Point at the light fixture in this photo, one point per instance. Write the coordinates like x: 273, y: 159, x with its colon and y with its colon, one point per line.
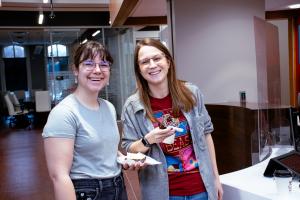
x: 84, y: 41
x: 294, y: 6
x: 45, y: 1
x: 52, y: 15
x: 41, y: 17
x: 96, y: 33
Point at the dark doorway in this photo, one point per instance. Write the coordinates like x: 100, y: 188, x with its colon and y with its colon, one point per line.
x: 15, y: 74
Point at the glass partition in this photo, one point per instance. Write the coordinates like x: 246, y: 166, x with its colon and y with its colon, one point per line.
x: 48, y: 56
x: 61, y: 81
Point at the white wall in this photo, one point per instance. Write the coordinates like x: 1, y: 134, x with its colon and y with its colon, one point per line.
x: 284, y: 59
x: 214, y: 46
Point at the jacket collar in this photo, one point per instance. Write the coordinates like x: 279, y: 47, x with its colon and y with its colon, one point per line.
x: 137, y: 103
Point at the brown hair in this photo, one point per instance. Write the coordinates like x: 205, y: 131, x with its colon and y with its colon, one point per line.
x: 90, y: 50
x: 182, y: 97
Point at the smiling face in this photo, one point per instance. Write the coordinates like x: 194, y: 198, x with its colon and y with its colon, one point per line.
x: 92, y: 80
x: 153, y: 66
x: 91, y: 66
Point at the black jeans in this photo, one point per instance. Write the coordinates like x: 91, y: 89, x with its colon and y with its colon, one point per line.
x: 100, y: 189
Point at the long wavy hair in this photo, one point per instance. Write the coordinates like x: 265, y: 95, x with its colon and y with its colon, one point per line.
x: 182, y: 97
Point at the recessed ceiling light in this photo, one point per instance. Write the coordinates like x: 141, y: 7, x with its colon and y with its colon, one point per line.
x: 294, y: 6
x: 84, y: 41
x: 96, y: 33
x: 41, y: 18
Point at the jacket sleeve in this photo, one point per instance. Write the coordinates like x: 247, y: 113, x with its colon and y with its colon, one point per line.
x: 208, y: 126
x: 130, y: 131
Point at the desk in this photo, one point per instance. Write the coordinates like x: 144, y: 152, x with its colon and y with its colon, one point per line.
x: 250, y: 184
x: 241, y: 132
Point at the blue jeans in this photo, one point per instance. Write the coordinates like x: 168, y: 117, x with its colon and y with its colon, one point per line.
x: 200, y: 196
x: 100, y: 189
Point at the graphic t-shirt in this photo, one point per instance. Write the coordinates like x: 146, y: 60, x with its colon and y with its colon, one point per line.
x: 183, y: 169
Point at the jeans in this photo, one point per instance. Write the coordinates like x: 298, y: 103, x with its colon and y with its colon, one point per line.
x: 200, y: 196
x: 100, y: 189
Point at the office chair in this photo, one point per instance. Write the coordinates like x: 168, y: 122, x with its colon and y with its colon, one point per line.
x: 15, y: 101
x: 16, y: 117
x: 295, y: 128
x: 42, y: 101
x: 42, y: 107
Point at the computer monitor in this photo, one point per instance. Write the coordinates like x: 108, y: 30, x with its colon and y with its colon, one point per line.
x: 289, y: 161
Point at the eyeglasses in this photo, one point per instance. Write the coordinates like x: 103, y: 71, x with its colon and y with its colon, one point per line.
x: 147, y: 61
x: 91, y: 65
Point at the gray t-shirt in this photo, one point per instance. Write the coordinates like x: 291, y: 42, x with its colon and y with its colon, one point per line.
x: 95, y: 133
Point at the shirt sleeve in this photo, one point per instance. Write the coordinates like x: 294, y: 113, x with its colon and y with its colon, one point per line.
x: 61, y: 123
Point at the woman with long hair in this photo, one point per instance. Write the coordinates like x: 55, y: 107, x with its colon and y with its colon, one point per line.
x: 164, y: 107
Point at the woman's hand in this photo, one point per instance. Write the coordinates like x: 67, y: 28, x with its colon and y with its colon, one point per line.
x: 134, y: 166
x: 157, y: 135
x: 219, y: 189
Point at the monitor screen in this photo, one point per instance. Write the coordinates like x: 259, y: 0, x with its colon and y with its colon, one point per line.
x: 292, y: 161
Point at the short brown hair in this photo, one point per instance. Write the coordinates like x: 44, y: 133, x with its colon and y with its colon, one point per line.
x: 91, y: 49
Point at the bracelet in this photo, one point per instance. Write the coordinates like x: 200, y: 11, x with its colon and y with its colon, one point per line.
x: 145, y: 142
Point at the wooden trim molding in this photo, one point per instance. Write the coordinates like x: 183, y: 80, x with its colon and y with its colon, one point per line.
x: 135, y: 21
x: 120, y: 11
x: 292, y: 61
x: 291, y: 16
x: 282, y: 14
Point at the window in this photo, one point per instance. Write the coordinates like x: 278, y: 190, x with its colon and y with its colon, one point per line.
x: 58, y: 50
x: 13, y: 51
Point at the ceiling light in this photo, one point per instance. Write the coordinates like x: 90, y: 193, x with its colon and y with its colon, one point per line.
x: 96, y: 33
x: 84, y: 41
x: 294, y: 6
x: 41, y: 18
x: 45, y: 1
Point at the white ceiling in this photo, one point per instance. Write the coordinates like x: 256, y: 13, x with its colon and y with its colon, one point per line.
x: 146, y: 8
x: 272, y: 5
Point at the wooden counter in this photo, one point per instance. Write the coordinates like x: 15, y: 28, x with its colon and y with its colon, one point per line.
x: 243, y: 131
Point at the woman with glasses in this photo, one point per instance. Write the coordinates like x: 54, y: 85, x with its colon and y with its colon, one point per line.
x: 161, y: 108
x: 81, y: 135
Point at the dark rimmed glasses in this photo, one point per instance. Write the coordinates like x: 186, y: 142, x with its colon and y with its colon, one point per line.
x: 90, y: 65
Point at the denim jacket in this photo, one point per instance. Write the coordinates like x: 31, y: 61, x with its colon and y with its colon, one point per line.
x: 154, y: 179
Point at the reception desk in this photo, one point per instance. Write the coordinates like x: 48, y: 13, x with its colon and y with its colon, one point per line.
x: 250, y: 184
x: 244, y: 132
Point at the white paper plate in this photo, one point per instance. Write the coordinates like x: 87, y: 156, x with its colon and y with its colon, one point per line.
x: 148, y: 161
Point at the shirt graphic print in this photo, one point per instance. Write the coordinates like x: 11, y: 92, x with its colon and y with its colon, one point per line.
x: 180, y: 155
